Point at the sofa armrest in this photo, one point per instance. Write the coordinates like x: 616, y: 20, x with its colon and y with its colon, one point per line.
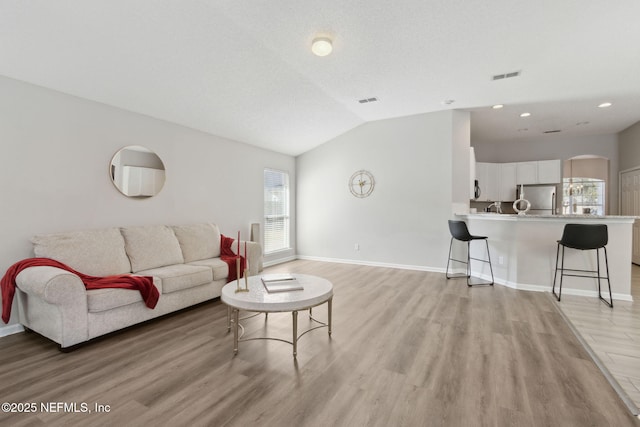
x: 254, y: 255
x: 64, y: 316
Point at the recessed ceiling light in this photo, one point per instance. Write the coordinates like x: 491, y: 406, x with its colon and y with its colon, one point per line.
x: 605, y: 105
x: 497, y: 106
x: 525, y: 114
x: 321, y: 46
x: 448, y: 101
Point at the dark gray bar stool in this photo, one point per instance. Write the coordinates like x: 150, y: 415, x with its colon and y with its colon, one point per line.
x: 459, y: 231
x: 584, y: 237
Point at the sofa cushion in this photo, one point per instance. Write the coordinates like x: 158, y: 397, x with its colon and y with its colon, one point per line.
x: 198, y: 241
x: 220, y: 268
x: 109, y: 298
x: 180, y: 276
x: 93, y: 252
x: 151, y: 246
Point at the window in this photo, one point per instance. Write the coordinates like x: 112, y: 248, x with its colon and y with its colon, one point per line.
x: 276, y: 211
x: 583, y: 196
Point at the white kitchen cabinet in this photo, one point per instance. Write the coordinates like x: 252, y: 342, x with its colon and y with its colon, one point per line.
x: 498, y: 181
x: 507, y: 182
x: 526, y: 173
x: 549, y: 172
x: 488, y: 179
x: 472, y: 173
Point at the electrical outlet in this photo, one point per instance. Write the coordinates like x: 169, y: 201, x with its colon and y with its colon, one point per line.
x: 356, y: 246
x: 501, y: 260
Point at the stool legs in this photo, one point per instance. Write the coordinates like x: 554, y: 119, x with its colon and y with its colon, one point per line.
x: 553, y: 290
x: 468, y: 263
x: 448, y: 260
x: 489, y: 261
x: 597, y: 271
x: 606, y: 263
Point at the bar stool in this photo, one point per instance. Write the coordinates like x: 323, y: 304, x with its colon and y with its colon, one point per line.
x: 584, y: 237
x: 459, y: 231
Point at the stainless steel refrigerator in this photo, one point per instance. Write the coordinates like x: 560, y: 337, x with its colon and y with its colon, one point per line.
x: 541, y: 197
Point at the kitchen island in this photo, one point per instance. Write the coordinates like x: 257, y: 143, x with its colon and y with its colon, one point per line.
x: 523, y: 252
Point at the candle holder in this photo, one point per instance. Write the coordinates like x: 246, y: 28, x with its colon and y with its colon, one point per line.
x: 238, y: 288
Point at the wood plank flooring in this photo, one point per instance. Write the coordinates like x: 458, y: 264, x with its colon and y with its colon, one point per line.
x: 614, y: 335
x: 408, y: 348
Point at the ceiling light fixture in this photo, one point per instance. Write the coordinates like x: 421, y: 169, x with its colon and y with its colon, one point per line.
x: 321, y: 46
x: 497, y: 106
x: 605, y: 105
x: 525, y: 114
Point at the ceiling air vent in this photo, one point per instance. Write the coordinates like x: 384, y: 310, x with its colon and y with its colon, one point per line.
x: 506, y: 75
x: 366, y: 100
x: 552, y: 131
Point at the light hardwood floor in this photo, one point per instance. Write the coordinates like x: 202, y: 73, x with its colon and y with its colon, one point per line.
x: 408, y: 348
x: 613, y: 334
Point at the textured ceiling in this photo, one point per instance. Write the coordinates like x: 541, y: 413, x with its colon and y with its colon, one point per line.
x: 243, y: 69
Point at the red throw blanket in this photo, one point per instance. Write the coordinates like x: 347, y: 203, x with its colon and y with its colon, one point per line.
x: 227, y: 255
x: 144, y: 284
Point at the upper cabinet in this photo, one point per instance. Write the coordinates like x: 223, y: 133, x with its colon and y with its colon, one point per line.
x: 526, y: 173
x: 507, y: 182
x: 498, y: 181
x: 539, y: 172
x: 549, y: 172
x: 488, y: 175
x: 472, y: 173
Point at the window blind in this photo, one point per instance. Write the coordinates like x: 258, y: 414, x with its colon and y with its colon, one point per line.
x: 276, y: 210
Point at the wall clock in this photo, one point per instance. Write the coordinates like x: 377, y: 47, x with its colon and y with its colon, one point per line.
x: 361, y: 183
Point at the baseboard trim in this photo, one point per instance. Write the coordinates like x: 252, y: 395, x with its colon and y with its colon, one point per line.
x: 279, y: 261
x: 565, y: 291
x: 373, y: 264
x: 508, y: 284
x: 11, y: 329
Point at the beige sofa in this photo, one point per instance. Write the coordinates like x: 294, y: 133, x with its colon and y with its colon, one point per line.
x: 183, y: 260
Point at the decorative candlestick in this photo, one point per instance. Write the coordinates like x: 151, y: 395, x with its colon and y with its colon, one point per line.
x: 238, y: 274
x: 246, y: 280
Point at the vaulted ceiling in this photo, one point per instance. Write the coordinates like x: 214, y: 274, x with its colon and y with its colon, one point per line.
x: 244, y: 70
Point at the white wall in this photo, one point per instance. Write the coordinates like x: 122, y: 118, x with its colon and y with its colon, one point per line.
x: 404, y: 221
x: 556, y: 147
x: 56, y: 151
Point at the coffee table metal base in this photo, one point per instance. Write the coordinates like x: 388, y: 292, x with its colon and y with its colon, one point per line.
x: 233, y: 318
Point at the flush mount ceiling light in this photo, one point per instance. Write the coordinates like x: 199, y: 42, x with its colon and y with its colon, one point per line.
x: 497, y: 106
x: 525, y: 114
x: 605, y: 105
x: 321, y: 46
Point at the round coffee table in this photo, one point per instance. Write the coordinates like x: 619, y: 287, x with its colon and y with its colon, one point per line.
x: 316, y: 291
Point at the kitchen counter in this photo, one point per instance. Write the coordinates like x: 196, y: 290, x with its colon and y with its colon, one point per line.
x: 523, y: 251
x: 573, y: 218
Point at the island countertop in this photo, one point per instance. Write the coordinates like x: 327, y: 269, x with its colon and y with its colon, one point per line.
x: 523, y: 251
x: 561, y: 218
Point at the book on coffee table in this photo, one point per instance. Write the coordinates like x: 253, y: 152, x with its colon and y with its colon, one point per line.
x: 281, y: 283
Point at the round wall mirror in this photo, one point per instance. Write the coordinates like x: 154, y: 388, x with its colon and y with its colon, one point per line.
x: 137, y: 172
